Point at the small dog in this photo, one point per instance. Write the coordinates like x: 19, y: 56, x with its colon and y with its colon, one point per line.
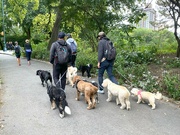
x: 58, y: 99
x: 44, y: 76
x: 142, y: 95
x: 122, y: 94
x: 96, y: 85
x: 71, y: 72
x: 86, y: 68
x: 88, y: 89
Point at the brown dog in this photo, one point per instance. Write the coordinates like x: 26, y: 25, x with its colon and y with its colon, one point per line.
x: 88, y: 89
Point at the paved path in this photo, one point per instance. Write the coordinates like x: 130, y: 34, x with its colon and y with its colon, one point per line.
x: 26, y: 109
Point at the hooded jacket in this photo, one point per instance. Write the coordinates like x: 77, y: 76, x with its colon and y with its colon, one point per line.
x: 70, y: 40
x: 101, y: 48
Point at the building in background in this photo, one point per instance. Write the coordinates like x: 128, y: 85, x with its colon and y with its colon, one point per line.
x: 148, y: 19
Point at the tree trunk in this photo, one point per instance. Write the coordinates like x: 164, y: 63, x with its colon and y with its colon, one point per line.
x: 178, y: 48
x: 55, y: 30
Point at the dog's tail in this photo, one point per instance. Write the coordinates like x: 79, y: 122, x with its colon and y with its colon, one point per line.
x: 67, y: 110
x: 65, y: 107
x: 158, y: 95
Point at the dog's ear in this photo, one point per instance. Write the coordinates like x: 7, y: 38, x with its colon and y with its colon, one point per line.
x: 75, y: 69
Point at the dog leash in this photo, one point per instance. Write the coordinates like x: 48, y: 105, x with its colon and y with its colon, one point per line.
x: 131, y: 85
x: 61, y: 78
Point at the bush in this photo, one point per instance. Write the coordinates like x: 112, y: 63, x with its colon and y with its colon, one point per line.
x: 171, y: 86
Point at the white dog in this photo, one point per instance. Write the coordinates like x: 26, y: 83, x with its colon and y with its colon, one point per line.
x: 71, y: 72
x: 122, y: 94
x: 142, y: 95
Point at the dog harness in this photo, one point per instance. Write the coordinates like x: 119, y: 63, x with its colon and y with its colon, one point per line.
x: 76, y: 84
x: 139, y: 93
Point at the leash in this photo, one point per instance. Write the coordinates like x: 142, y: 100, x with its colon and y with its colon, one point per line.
x: 125, y: 78
x: 61, y: 78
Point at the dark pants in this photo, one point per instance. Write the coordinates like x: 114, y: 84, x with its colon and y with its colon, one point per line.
x: 59, y: 75
x: 108, y: 66
x: 28, y: 56
x: 73, y: 59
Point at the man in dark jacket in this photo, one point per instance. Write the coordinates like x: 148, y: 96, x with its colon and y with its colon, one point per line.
x: 59, y: 70
x: 104, y: 64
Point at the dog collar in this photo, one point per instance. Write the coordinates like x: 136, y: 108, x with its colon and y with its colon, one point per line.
x: 77, y: 83
x: 139, y: 93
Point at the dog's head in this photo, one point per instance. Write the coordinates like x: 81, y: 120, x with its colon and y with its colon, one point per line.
x: 106, y: 82
x: 38, y: 72
x: 76, y: 79
x: 134, y: 91
x: 72, y: 71
x: 94, y: 83
x: 90, y: 65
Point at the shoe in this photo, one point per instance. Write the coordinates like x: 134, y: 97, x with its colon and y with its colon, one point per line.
x: 101, y: 91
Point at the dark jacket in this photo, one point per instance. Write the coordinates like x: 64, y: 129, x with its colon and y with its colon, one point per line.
x: 101, y: 48
x: 53, y: 50
x: 27, y: 46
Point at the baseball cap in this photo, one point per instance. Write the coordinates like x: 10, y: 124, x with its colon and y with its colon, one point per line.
x: 101, y: 34
x: 61, y: 35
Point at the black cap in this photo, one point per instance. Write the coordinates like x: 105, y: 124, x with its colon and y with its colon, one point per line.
x: 61, y: 35
x: 68, y: 35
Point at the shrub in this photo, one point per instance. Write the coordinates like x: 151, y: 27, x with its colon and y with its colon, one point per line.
x: 171, y: 86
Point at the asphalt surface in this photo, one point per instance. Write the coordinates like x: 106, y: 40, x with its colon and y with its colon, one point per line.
x: 26, y: 109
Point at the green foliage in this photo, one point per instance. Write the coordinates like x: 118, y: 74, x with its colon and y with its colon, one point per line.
x: 171, y: 85
x: 40, y: 51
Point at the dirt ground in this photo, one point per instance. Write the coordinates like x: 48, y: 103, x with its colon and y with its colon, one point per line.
x: 158, y: 69
x: 164, y: 60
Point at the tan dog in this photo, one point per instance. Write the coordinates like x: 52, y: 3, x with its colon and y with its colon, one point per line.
x: 88, y: 89
x: 122, y: 94
x: 71, y: 72
x: 142, y: 95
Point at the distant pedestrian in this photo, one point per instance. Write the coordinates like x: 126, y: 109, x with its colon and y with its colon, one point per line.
x: 60, y: 57
x: 103, y: 62
x: 73, y: 46
x: 28, y: 51
x: 17, y: 50
x: 11, y: 46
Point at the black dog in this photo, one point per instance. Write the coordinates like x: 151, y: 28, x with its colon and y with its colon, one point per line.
x: 58, y: 99
x: 86, y: 68
x: 44, y: 76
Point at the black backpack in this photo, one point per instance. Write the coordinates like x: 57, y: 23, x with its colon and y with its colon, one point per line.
x: 62, y: 53
x: 110, y: 51
x: 17, y: 49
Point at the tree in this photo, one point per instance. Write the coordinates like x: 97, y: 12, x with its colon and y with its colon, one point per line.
x: 92, y: 16
x: 171, y: 10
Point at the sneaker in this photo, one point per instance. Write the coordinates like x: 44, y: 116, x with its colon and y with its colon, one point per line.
x: 101, y: 91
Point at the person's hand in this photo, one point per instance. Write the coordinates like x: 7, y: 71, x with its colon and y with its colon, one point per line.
x: 98, y: 65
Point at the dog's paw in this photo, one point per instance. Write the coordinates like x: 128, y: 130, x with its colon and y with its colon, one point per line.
x: 108, y: 100
x: 61, y: 115
x: 53, y: 107
x: 67, y: 110
x: 122, y: 107
x: 128, y: 109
